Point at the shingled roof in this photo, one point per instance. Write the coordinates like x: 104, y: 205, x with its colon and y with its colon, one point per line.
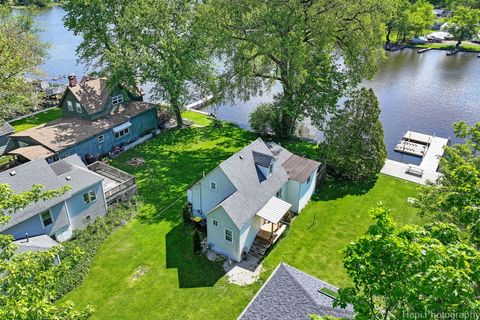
x: 51, y: 177
x: 5, y: 128
x: 59, y: 134
x: 253, y: 190
x: 292, y: 294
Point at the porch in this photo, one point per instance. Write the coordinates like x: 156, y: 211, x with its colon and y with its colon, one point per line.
x: 118, y: 185
x: 275, y: 215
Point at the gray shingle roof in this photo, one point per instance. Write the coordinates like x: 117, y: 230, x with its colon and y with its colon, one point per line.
x: 5, y: 128
x: 252, y: 191
x: 40, y: 172
x: 292, y: 294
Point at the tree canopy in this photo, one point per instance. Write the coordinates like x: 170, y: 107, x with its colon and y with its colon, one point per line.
x: 455, y: 197
x: 354, y: 145
x: 400, y: 272
x: 21, y: 52
x: 147, y: 41
x: 27, y: 279
x: 314, y: 49
x: 464, y: 23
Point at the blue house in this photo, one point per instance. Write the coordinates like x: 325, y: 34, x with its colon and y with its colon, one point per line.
x: 59, y: 216
x: 96, y: 119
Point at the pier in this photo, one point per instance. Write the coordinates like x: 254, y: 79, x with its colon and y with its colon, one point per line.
x: 199, y: 104
x: 429, y: 148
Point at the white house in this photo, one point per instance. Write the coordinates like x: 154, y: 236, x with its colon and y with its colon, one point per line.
x: 247, y: 196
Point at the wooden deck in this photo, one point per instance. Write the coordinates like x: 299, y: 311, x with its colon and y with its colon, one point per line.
x: 265, y: 239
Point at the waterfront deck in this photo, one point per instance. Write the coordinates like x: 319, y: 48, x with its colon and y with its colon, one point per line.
x: 428, y: 168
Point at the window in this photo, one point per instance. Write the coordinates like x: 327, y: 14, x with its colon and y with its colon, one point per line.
x: 215, y: 223
x: 213, y: 185
x: 69, y: 105
x: 117, y: 99
x: 122, y: 133
x: 309, y: 179
x: 101, y: 138
x: 79, y: 108
x: 87, y: 218
x: 89, y: 197
x: 46, y: 218
x: 228, y: 235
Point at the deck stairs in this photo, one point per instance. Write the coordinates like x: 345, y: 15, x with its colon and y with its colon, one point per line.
x: 259, y: 247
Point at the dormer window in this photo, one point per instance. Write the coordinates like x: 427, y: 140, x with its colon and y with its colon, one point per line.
x: 117, y: 99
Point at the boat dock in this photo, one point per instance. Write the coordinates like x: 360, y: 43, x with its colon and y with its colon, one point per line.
x: 429, y: 148
x: 424, y: 50
x: 199, y: 104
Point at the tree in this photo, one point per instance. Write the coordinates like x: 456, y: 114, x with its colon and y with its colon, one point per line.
x: 21, y: 52
x: 354, y: 143
x: 464, y: 24
x: 27, y: 279
x: 400, y: 272
x: 148, y: 41
x: 455, y: 197
x: 313, y: 49
x: 264, y: 119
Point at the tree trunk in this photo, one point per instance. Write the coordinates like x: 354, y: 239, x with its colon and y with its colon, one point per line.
x: 287, y: 119
x: 387, y: 42
x: 178, y: 114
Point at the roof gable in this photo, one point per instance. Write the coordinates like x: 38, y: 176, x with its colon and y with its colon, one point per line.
x: 5, y: 128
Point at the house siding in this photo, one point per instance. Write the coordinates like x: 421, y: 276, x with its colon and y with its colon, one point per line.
x: 78, y: 210
x: 216, y: 235
x: 306, y: 191
x: 292, y: 194
x: 64, y: 106
x: 203, y: 198
x: 141, y: 124
x: 67, y: 214
x: 248, y: 234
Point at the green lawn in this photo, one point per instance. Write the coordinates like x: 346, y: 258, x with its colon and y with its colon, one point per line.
x: 147, y: 269
x: 38, y: 119
x: 197, y: 118
x: 473, y: 47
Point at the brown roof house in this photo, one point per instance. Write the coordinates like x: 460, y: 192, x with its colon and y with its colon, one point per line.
x: 247, y: 199
x: 96, y: 119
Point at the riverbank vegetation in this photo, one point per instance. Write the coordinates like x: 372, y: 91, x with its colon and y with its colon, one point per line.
x: 21, y: 54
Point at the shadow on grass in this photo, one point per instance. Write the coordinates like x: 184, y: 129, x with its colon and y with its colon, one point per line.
x: 333, y: 188
x: 193, y: 270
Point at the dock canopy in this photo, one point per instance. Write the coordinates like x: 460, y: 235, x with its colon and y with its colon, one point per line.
x: 274, y: 210
x: 32, y: 152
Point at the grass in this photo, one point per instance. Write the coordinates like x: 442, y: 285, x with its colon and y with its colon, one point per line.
x: 148, y: 267
x: 36, y: 120
x: 470, y: 47
x: 197, y: 118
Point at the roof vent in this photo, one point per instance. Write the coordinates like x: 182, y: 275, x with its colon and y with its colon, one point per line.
x: 68, y: 178
x: 13, y: 172
x: 241, y: 157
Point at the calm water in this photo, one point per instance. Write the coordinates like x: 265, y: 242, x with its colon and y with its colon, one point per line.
x: 421, y: 92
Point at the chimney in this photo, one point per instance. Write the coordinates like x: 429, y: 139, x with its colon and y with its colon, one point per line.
x: 72, y: 80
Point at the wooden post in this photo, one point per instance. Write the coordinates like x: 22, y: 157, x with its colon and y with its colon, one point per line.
x: 271, y: 234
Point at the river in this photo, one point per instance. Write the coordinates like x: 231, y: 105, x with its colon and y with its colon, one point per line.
x: 420, y: 92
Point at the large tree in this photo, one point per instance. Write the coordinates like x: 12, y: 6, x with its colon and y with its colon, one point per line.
x: 398, y: 273
x: 148, y: 41
x: 464, y: 24
x: 27, y: 280
x: 354, y: 144
x: 313, y: 48
x: 455, y: 197
x: 21, y: 53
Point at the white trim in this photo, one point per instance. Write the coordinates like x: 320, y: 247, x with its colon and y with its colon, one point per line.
x: 225, y: 234
x: 69, y: 105
x: 213, y: 223
x: 102, y: 136
x: 51, y: 218
x: 89, y: 195
x: 122, y: 126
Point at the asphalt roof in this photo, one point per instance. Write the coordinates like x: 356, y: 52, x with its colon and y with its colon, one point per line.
x: 5, y: 128
x: 299, y: 168
x: 292, y: 294
x: 92, y: 93
x: 32, y: 152
x: 253, y: 190
x: 59, y: 134
x: 51, y: 178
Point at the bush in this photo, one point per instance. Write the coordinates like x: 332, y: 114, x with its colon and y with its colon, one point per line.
x: 263, y: 119
x: 88, y: 240
x: 197, y: 246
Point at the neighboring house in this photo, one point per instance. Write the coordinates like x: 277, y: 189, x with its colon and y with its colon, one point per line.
x: 59, y: 216
x: 249, y: 194
x: 96, y: 119
x: 292, y: 294
x: 5, y: 131
x: 441, y: 13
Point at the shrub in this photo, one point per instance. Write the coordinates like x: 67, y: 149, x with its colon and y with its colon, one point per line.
x: 263, y: 119
x: 197, y: 246
x: 88, y: 240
